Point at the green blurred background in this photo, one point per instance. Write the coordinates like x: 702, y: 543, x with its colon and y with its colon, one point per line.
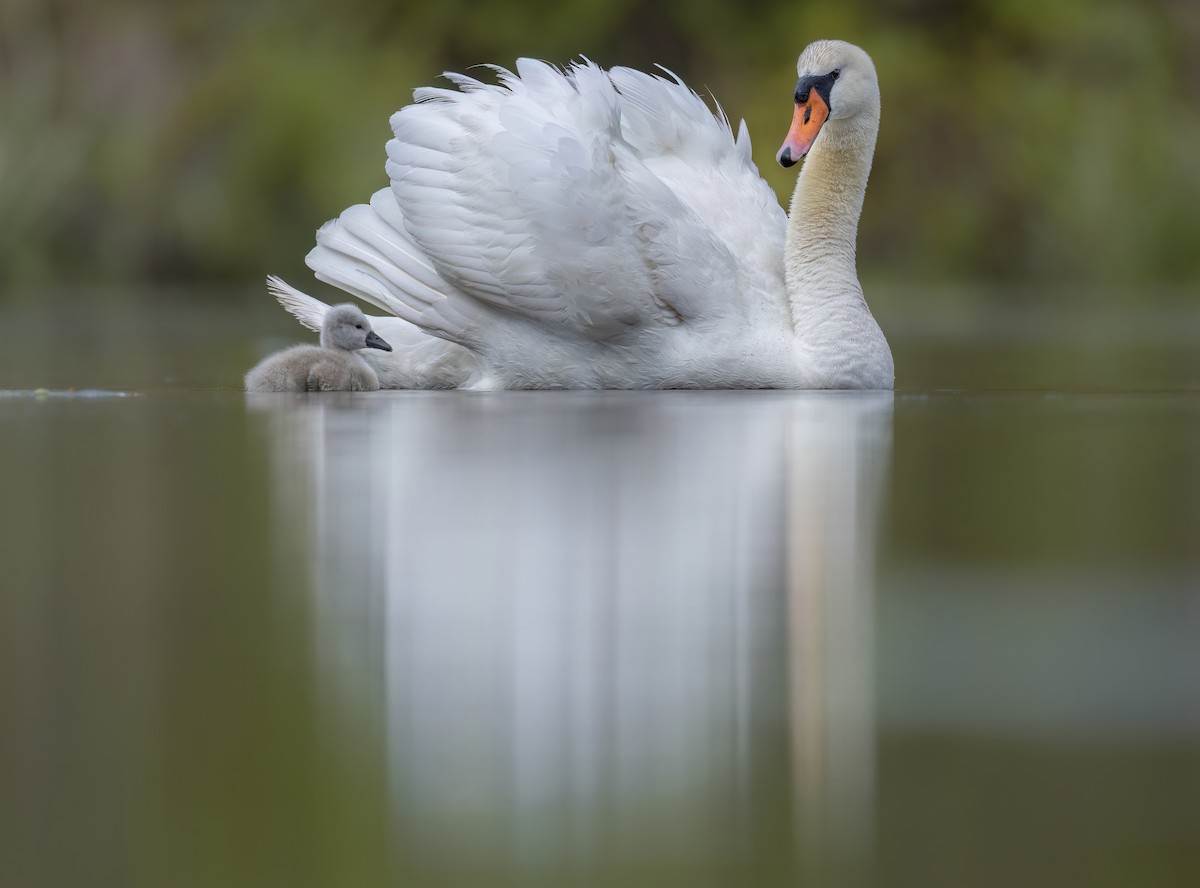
x: 1026, y: 145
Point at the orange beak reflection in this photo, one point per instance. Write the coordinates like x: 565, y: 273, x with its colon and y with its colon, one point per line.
x: 806, y: 124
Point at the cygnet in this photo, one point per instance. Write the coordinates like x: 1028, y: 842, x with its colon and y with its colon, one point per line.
x: 331, y: 367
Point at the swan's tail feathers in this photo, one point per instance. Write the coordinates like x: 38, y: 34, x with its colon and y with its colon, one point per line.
x: 308, y: 311
x: 366, y: 252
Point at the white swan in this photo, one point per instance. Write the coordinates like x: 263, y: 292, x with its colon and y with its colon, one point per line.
x: 592, y: 229
x: 332, y: 367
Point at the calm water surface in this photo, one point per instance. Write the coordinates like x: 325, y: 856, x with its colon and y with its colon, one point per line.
x: 946, y: 637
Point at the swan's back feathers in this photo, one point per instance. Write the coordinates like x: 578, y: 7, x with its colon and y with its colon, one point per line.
x: 577, y: 203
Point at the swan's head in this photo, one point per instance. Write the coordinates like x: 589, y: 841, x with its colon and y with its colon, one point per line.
x: 837, y: 82
x: 345, y: 327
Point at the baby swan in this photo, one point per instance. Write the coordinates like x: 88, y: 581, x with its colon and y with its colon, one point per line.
x: 331, y: 367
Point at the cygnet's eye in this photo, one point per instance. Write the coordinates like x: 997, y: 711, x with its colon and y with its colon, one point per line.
x: 358, y: 326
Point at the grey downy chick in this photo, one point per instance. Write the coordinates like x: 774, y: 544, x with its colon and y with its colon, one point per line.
x: 331, y: 367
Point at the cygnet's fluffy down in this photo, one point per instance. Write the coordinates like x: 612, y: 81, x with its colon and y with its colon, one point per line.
x: 331, y: 367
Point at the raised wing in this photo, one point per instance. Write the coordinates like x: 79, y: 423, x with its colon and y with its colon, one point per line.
x: 590, y: 205
x: 527, y: 196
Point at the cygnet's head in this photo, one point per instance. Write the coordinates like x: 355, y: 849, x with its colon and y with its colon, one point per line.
x: 347, y: 328
x: 837, y: 82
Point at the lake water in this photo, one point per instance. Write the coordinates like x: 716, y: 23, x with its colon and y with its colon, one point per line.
x: 949, y: 636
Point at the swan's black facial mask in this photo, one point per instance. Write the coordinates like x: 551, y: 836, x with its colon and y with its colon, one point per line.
x: 823, y: 85
x: 813, y: 108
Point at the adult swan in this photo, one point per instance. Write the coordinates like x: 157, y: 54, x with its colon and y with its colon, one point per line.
x: 604, y: 229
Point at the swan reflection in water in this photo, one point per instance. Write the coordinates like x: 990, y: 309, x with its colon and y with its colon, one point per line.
x: 596, y: 627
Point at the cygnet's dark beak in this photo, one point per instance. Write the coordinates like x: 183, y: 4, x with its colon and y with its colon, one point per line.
x: 373, y: 341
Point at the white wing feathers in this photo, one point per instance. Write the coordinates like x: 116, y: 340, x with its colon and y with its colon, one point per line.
x: 695, y: 153
x: 514, y: 194
x: 308, y: 311
x: 565, y: 198
x: 366, y: 252
x: 663, y: 116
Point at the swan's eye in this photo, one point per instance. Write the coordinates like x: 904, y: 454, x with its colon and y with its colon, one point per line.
x: 358, y: 326
x: 835, y: 73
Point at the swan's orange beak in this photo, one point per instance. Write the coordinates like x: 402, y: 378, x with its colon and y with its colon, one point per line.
x: 810, y: 116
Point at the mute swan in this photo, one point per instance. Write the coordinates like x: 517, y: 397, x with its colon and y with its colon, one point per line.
x: 333, y: 367
x: 588, y: 229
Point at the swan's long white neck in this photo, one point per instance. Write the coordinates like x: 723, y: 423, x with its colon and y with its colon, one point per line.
x: 829, y: 313
x: 823, y: 220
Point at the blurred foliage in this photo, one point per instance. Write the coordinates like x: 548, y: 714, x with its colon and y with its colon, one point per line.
x: 1048, y: 141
